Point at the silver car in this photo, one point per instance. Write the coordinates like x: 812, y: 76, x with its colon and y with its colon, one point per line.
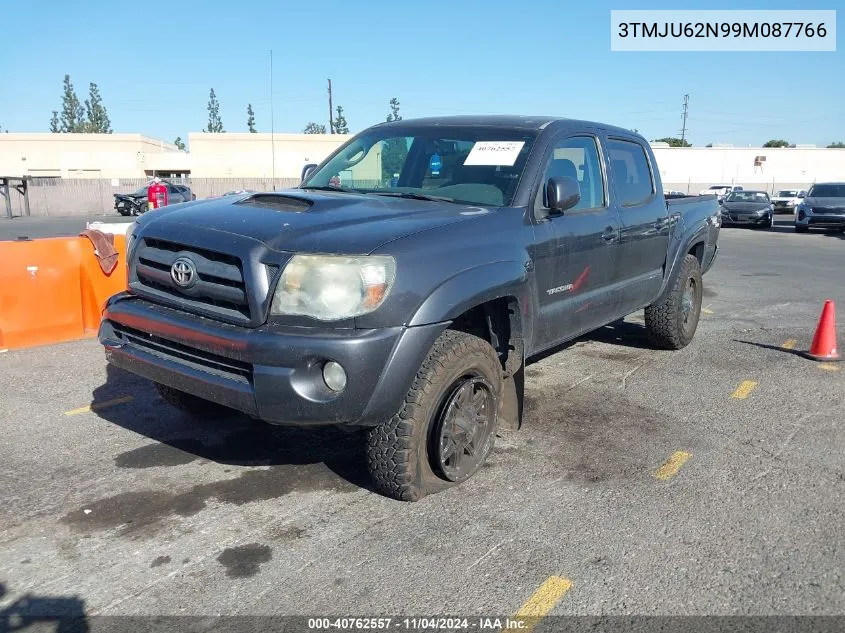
x: 823, y: 207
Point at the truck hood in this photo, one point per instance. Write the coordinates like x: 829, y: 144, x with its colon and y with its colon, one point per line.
x: 834, y: 204
x: 305, y: 221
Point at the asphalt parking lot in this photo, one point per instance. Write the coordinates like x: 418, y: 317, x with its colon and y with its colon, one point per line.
x: 705, y: 481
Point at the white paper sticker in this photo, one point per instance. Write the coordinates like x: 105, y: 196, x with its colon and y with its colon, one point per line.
x: 494, y: 153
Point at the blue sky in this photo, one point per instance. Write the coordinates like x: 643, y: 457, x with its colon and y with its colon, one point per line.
x: 437, y: 57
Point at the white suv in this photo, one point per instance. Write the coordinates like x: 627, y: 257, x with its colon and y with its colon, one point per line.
x: 786, y: 200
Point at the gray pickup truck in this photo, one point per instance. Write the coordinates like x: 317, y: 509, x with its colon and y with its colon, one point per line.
x: 403, y: 285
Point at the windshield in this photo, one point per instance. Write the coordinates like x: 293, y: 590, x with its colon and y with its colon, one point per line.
x: 141, y: 192
x: 469, y: 165
x: 790, y: 193
x: 827, y: 191
x: 748, y: 196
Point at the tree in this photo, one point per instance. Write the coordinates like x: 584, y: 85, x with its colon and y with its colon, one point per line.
x: 395, y: 149
x: 73, y: 114
x: 250, y: 118
x: 776, y: 143
x: 340, y: 125
x: 314, y: 128
x: 838, y: 145
x: 672, y: 141
x: 179, y: 143
x: 394, y: 110
x: 54, y: 123
x: 215, y: 123
x: 98, y: 119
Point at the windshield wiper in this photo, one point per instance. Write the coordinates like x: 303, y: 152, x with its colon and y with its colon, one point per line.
x: 412, y: 196
x: 329, y: 188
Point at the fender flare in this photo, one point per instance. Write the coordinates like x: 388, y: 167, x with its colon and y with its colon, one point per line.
x: 471, y: 287
x: 674, y: 265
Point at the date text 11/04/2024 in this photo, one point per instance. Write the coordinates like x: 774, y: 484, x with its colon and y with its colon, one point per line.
x: 420, y: 624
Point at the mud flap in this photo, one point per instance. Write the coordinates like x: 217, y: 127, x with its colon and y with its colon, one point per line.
x: 511, y: 402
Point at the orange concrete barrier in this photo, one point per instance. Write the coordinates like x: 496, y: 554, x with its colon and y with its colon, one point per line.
x: 53, y: 290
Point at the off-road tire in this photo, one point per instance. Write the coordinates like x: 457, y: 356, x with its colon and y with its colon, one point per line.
x: 400, y: 450
x: 195, y: 407
x: 664, y: 321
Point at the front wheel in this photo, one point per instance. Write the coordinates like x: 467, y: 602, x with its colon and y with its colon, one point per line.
x: 671, y: 323
x: 447, y: 424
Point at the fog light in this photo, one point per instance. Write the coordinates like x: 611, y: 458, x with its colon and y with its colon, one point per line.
x: 334, y: 376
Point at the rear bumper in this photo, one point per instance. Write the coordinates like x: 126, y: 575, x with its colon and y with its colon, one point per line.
x: 268, y: 372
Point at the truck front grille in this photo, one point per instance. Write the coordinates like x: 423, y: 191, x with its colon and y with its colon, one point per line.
x: 218, y: 286
x: 197, y: 359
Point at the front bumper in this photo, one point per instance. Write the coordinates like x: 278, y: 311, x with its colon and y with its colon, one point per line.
x: 269, y: 372
x: 746, y: 219
x: 820, y: 220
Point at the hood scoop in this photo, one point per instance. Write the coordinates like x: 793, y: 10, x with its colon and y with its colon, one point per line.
x: 276, y: 202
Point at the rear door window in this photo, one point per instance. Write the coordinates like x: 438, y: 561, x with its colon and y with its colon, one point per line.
x: 632, y: 175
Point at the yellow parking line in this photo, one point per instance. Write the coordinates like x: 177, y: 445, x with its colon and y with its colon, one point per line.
x: 789, y: 344
x: 543, y: 601
x: 829, y: 366
x: 96, y: 406
x: 745, y: 388
x: 672, y: 465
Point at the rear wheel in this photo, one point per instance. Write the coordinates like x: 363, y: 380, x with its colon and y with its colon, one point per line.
x: 446, y: 427
x: 195, y: 407
x: 672, y: 322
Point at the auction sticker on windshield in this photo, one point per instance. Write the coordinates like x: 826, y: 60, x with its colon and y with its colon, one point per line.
x: 494, y: 153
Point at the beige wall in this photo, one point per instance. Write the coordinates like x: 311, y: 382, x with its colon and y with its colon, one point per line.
x: 115, y: 156
x: 86, y: 155
x: 717, y: 165
x: 246, y: 155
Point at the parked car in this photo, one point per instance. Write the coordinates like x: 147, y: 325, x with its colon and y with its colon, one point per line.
x: 410, y: 310
x: 135, y: 203
x: 720, y: 191
x: 747, y: 207
x: 786, y: 200
x: 822, y: 207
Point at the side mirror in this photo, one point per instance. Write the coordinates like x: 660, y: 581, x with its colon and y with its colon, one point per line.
x: 802, y: 195
x: 309, y: 169
x: 562, y: 193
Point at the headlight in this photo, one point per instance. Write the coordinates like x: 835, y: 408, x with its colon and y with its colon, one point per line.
x: 330, y: 287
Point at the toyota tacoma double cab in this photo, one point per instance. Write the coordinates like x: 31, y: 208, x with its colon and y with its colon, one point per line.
x: 406, y: 306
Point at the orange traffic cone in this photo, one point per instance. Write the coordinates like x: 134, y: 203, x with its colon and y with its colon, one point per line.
x: 824, y: 342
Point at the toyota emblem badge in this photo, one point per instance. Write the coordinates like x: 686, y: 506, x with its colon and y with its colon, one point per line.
x: 183, y: 272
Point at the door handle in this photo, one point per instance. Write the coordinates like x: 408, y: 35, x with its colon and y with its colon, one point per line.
x: 609, y: 235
